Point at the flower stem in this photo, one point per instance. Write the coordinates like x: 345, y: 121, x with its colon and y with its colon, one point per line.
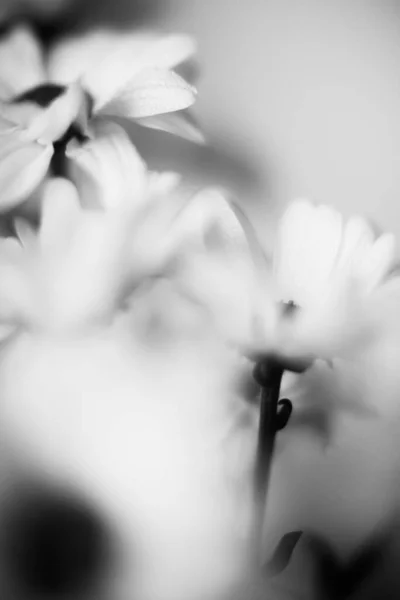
x: 268, y: 373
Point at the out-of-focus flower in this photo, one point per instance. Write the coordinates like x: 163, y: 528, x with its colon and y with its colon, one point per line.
x: 318, y: 297
x: 321, y: 288
x: 216, y: 266
x: 99, y: 76
x: 96, y: 242
x: 161, y: 442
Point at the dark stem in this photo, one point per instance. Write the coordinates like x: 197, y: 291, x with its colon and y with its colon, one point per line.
x: 268, y: 374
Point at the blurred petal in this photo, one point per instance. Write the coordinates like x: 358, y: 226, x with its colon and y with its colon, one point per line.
x: 152, y: 92
x: 163, y: 182
x: 378, y: 262
x: 308, y: 243
x: 108, y: 170
x: 106, y: 61
x: 25, y: 232
x: 21, y: 65
x: 21, y: 114
x: 7, y: 125
x: 23, y: 165
x: 59, y: 214
x: 178, y: 123
x: 357, y: 241
x: 13, y: 293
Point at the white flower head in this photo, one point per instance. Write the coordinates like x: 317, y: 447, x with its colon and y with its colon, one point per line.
x: 96, y: 242
x: 321, y: 288
x: 102, y: 75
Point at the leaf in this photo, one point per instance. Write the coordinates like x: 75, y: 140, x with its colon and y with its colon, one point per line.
x: 282, y: 554
x: 285, y: 409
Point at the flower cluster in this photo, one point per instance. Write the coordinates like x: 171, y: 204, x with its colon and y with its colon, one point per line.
x: 119, y: 244
x: 115, y: 223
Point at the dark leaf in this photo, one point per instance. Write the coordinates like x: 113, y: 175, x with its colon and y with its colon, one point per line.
x: 282, y: 554
x: 285, y: 408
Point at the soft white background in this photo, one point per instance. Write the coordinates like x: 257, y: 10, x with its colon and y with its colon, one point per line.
x: 308, y: 91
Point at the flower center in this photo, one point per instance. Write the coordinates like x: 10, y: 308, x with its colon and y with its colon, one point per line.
x: 288, y: 309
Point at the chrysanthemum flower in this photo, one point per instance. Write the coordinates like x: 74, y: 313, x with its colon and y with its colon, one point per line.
x: 324, y: 276
x: 317, y: 297
x: 96, y: 242
x: 46, y: 101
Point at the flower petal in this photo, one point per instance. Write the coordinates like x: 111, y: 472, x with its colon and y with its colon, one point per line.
x: 21, y: 65
x: 106, y: 61
x: 59, y: 214
x: 358, y: 239
x: 308, y: 242
x: 108, y: 170
x: 23, y: 164
x: 151, y: 92
x: 378, y: 262
x: 25, y: 232
x: 178, y: 123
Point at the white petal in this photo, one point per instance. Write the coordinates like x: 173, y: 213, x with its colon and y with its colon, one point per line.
x: 307, y: 247
x: 72, y: 57
x: 20, y: 113
x: 7, y: 125
x: 13, y: 292
x: 106, y: 61
x: 59, y: 214
x: 178, y: 123
x: 25, y: 232
x: 21, y: 65
x: 209, y: 218
x: 151, y: 92
x: 224, y: 285
x: 357, y: 241
x: 163, y: 182
x: 23, y: 165
x: 108, y: 170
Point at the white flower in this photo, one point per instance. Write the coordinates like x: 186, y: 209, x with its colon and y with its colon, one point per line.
x: 99, y: 76
x: 320, y: 296
x: 95, y: 243
x: 321, y: 290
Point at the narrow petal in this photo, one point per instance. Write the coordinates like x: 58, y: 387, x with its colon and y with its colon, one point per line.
x: 25, y: 232
x: 106, y: 61
x: 21, y: 65
x: 307, y: 247
x: 178, y: 123
x: 358, y: 239
x: 108, y: 170
x: 23, y: 165
x: 151, y: 92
